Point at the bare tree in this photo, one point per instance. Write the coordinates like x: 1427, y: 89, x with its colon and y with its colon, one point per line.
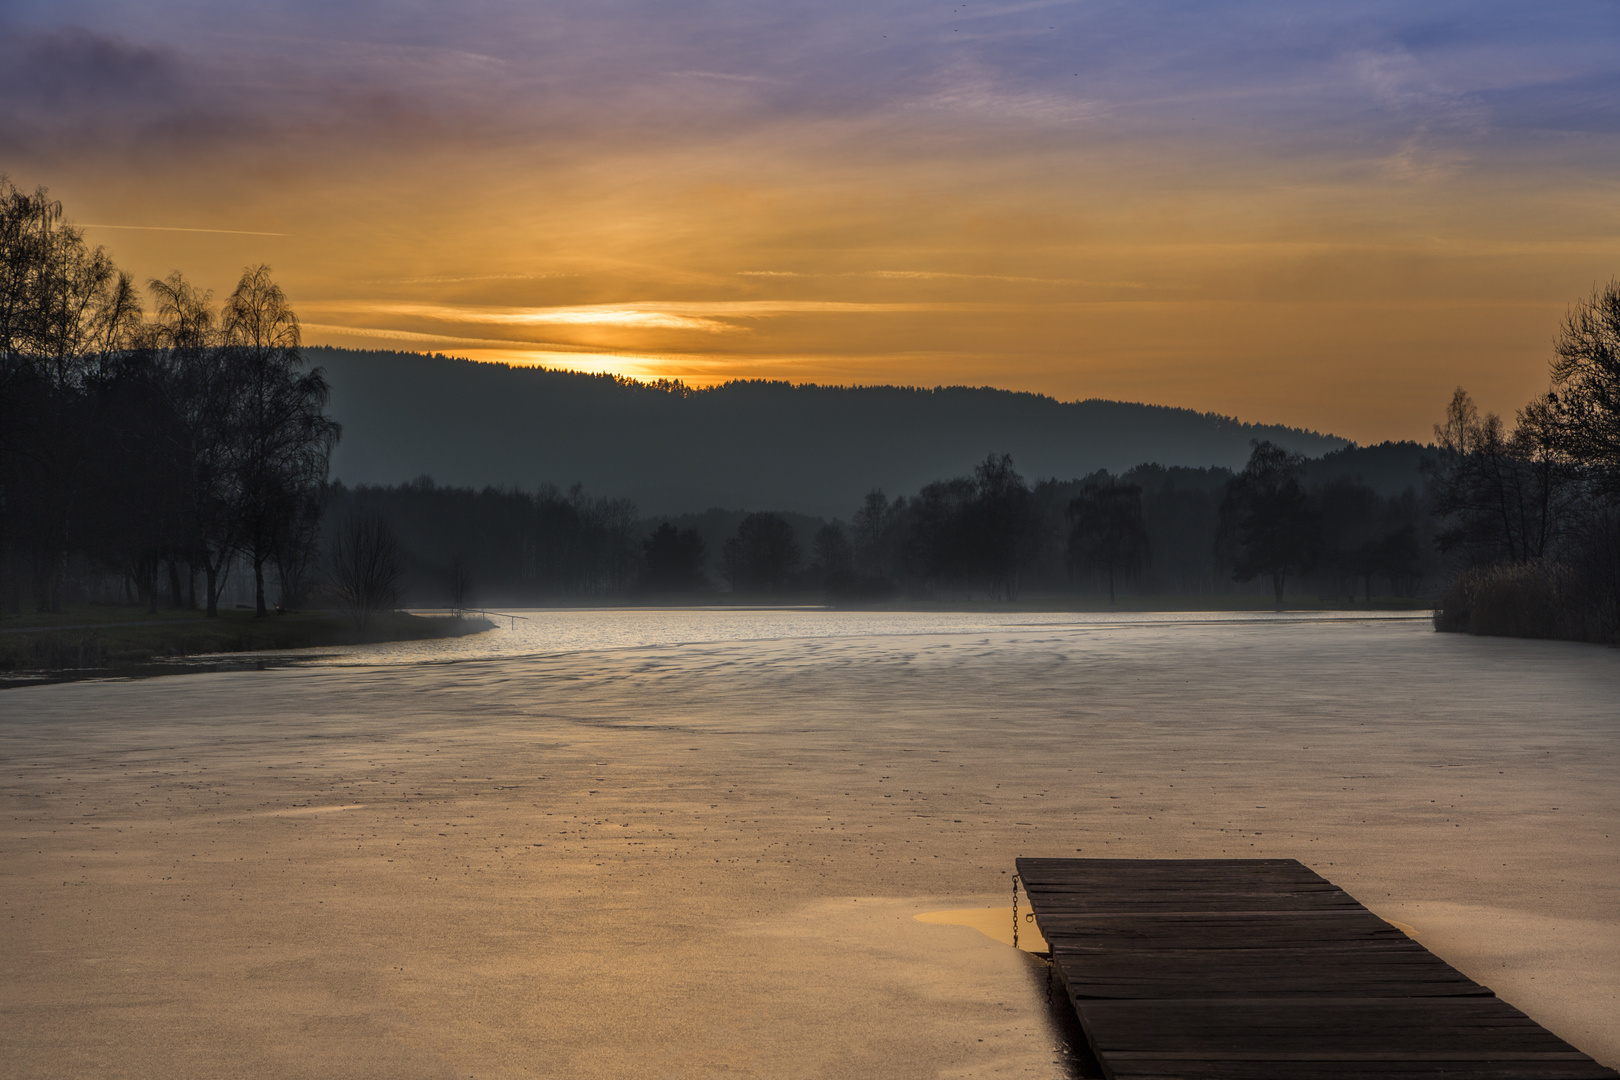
x: 458, y: 580
x: 184, y: 320
x: 763, y: 555
x: 365, y: 568
x: 296, y: 542
x: 879, y: 528
x: 257, y: 316
x: 834, y: 557
x: 1503, y: 495
x: 284, y: 438
x: 1107, y: 532
x: 1267, y: 523
x: 63, y: 305
x: 1583, y: 409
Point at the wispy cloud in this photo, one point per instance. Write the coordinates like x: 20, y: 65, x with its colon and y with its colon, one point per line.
x: 177, y: 228
x: 723, y: 76
x: 704, y: 315
x: 638, y: 317
x: 1152, y: 183
x: 415, y: 338
x: 452, y: 279
x: 940, y: 275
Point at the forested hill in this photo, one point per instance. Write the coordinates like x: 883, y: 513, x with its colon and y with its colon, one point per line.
x: 814, y: 449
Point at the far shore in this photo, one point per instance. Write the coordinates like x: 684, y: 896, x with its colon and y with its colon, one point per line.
x: 1045, y: 603
x: 90, y: 640
x: 96, y: 641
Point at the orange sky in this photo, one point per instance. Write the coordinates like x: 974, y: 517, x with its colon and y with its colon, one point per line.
x: 1321, y: 219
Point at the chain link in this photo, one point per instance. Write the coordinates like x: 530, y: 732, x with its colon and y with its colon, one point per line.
x: 1015, y: 911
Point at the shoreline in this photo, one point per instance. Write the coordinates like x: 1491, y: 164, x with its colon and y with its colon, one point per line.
x: 95, y: 642
x: 1053, y: 604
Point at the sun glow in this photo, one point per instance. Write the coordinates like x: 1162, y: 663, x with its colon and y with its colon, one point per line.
x: 1332, y: 232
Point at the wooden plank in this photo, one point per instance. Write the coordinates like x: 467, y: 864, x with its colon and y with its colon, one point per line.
x: 1286, y: 1028
x: 1089, y: 868
x: 1260, y: 969
x: 1147, y: 1068
x: 1214, y: 930
x: 1192, y: 903
x: 1123, y: 974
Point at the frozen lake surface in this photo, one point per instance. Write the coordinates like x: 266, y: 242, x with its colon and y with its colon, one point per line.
x: 550, y: 631
x: 693, y: 844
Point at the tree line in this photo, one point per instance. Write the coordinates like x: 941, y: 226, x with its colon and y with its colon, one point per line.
x: 1531, y: 511
x: 151, y: 441
x: 1270, y: 528
x: 1151, y: 530
x: 156, y: 448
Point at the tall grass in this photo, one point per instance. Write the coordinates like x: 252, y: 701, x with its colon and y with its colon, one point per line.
x: 1529, y: 600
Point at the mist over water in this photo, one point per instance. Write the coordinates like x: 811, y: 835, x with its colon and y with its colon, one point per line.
x: 523, y: 632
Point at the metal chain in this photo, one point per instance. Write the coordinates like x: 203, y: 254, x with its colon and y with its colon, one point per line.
x: 1015, y: 911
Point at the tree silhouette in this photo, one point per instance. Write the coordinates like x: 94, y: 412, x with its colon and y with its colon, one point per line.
x: 1004, y: 524
x: 674, y: 560
x: 834, y: 558
x: 458, y: 583
x: 763, y: 555
x: 283, y: 438
x: 1582, y: 413
x: 879, y: 526
x: 1503, y: 496
x: 1268, y: 524
x: 1106, y: 532
x: 127, y: 445
x: 365, y: 568
x: 973, y: 531
x: 65, y: 311
x: 1399, y: 560
x: 184, y: 318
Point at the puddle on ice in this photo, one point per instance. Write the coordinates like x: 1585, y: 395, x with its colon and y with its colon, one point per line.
x: 995, y: 923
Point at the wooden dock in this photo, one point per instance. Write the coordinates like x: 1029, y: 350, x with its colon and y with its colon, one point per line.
x: 1260, y: 969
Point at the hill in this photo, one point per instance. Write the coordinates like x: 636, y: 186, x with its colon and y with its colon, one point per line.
x: 747, y: 444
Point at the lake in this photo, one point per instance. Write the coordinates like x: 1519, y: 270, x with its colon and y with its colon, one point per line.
x: 551, y: 631
x: 695, y: 843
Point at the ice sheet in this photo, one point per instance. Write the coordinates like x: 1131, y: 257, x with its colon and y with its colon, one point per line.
x: 702, y: 860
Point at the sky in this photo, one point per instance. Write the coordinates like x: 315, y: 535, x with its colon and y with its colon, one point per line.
x: 1320, y: 214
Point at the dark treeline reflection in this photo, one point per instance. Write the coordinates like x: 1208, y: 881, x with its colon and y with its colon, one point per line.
x: 988, y: 535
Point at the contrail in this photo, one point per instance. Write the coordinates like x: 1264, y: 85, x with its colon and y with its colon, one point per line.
x: 177, y: 228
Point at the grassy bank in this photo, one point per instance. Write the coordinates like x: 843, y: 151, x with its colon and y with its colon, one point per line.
x: 105, y: 638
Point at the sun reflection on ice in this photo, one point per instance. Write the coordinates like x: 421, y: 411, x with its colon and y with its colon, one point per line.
x: 994, y: 923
